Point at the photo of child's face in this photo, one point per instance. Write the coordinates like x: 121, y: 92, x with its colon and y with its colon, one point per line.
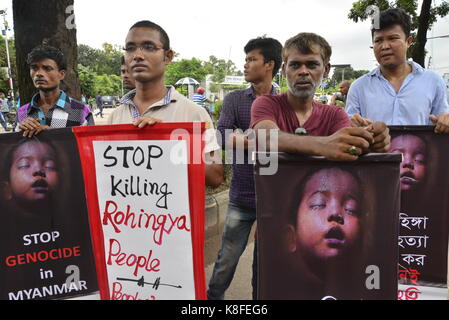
x: 33, y: 173
x: 328, y: 217
x: 414, y: 164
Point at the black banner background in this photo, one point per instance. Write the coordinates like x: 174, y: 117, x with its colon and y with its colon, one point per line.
x: 277, y: 196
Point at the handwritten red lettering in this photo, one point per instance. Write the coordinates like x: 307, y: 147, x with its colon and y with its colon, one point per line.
x: 117, y: 293
x: 161, y: 224
x: 131, y: 260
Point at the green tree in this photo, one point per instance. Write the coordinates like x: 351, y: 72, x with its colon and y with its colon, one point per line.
x: 89, y: 57
x: 192, y: 68
x: 87, y: 80
x: 422, y: 20
x: 4, y: 84
x: 220, y: 68
x: 101, y: 61
x: 109, y: 85
x: 349, y: 74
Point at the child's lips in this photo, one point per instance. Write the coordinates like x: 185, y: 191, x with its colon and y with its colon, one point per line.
x: 335, y: 237
x: 40, y: 186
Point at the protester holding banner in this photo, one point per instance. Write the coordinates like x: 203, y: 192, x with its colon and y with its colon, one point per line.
x: 147, y: 53
x: 51, y: 107
x: 306, y: 61
x: 398, y: 92
x: 263, y: 60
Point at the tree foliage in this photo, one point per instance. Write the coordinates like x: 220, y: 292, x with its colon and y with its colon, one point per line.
x: 192, y: 68
x: 349, y: 74
x: 198, y: 69
x: 4, y: 84
x: 101, y: 61
x: 220, y: 68
x: 422, y: 21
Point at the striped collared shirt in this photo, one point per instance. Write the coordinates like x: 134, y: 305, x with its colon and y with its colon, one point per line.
x: 128, y: 99
x: 66, y: 112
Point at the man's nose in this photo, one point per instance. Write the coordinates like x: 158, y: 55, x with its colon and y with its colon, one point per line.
x: 138, y: 54
x: 303, y: 70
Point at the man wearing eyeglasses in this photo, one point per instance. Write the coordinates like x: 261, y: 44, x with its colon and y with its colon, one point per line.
x: 398, y: 92
x: 147, y: 53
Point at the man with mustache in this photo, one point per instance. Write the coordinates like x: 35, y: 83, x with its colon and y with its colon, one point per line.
x: 398, y: 92
x: 323, y: 130
x: 51, y: 107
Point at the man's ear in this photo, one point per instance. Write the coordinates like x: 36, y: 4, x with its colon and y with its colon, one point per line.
x: 62, y: 74
x: 5, y: 190
x: 270, y: 66
x: 168, y: 56
x: 289, y: 238
x: 283, y: 69
x: 327, y: 69
x: 409, y: 41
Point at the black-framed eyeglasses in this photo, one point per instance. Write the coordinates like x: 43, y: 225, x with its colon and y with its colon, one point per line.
x: 145, y: 47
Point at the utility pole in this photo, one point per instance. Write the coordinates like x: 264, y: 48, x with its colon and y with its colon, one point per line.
x: 5, y: 33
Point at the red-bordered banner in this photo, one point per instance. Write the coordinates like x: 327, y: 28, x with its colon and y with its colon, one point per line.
x: 87, y: 139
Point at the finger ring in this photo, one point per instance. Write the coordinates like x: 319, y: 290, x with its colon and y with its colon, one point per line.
x: 352, y: 150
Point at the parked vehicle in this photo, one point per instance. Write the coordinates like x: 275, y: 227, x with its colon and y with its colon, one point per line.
x: 109, y: 101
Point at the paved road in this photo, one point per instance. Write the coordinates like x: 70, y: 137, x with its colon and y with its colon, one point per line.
x: 240, y: 288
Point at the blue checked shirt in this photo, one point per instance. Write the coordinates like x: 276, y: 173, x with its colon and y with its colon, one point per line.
x: 67, y: 112
x: 236, y: 114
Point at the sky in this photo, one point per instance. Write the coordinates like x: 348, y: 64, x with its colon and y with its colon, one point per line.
x: 201, y: 28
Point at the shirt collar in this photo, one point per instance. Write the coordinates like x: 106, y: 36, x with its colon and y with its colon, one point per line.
x: 127, y: 99
x: 62, y: 100
x: 250, y: 91
x: 169, y: 97
x: 416, y: 68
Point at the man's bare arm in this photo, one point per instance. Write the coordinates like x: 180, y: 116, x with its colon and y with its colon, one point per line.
x: 214, y: 169
x: 334, y: 147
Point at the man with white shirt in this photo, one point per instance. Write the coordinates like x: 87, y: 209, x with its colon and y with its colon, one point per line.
x: 147, y: 53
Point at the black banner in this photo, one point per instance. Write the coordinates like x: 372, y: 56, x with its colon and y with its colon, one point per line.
x: 424, y: 216
x: 328, y: 230
x: 45, y: 239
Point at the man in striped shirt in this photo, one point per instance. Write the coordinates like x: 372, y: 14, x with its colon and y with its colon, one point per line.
x: 51, y: 107
x: 200, y: 99
x: 147, y: 53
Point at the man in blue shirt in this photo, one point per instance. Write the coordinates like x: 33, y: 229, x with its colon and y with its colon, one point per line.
x: 398, y: 92
x: 200, y: 99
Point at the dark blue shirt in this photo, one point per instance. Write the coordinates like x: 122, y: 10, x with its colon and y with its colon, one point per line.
x: 236, y: 114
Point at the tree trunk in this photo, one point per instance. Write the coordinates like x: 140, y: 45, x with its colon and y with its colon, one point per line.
x: 44, y: 21
x: 419, y: 51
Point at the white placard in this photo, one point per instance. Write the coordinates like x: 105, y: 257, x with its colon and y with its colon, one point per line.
x: 144, y: 210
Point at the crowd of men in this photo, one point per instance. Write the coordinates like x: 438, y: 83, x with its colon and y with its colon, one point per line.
x: 397, y: 92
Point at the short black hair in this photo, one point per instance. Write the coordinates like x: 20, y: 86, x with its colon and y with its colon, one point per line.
x: 270, y: 48
x: 391, y: 17
x: 42, y: 52
x: 122, y: 60
x: 151, y: 25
